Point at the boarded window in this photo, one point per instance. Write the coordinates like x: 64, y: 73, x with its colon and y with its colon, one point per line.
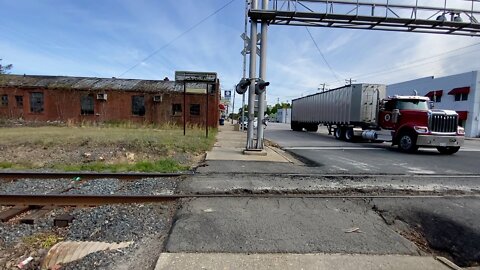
x: 176, y: 109
x: 19, y: 100
x: 36, y: 102
x: 138, y: 105
x: 4, y: 100
x: 87, y: 105
x: 194, y: 109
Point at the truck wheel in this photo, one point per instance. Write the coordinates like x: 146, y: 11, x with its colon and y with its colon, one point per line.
x: 349, y: 137
x: 312, y: 128
x: 448, y: 150
x: 407, y: 142
x: 295, y: 126
x: 339, y: 133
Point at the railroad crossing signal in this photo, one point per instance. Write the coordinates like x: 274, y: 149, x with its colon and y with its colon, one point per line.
x: 248, y: 49
x: 261, y: 86
x: 242, y: 86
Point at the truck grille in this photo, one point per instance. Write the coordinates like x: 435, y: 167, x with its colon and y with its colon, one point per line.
x: 443, y: 123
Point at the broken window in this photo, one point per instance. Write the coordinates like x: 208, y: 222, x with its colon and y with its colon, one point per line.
x: 138, y: 105
x: 194, y: 109
x: 19, y: 100
x: 36, y: 102
x: 87, y: 105
x: 4, y: 100
x: 176, y: 109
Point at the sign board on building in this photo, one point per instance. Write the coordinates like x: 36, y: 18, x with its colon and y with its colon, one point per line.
x: 193, y: 76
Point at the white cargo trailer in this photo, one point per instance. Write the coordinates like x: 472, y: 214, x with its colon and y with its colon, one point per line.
x: 355, y: 104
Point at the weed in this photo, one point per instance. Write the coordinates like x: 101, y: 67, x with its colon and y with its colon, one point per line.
x: 42, y: 240
x: 163, y: 165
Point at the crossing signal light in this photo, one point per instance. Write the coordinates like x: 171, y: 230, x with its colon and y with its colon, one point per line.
x: 242, y: 86
x: 261, y: 87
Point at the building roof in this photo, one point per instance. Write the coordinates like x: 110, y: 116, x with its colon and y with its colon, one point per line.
x: 86, y: 83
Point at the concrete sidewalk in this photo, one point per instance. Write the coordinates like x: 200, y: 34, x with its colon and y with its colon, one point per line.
x: 185, y: 261
x: 231, y: 144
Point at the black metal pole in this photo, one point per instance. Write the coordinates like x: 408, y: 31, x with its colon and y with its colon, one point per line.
x: 206, y: 114
x: 184, y: 108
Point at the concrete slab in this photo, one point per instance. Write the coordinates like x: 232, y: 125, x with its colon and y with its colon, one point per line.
x: 283, y: 225
x: 185, y: 261
x: 230, y: 146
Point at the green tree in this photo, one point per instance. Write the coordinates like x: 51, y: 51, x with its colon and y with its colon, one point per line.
x: 5, y: 68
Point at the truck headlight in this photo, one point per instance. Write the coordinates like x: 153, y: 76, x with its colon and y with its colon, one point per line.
x: 461, y: 131
x: 420, y: 129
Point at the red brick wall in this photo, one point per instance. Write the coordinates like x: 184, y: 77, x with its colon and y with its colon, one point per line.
x: 65, y: 105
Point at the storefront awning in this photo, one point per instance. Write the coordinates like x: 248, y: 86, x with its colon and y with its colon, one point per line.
x: 437, y: 93
x: 462, y: 115
x: 460, y: 90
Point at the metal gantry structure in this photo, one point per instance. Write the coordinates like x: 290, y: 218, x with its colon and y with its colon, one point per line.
x: 452, y: 17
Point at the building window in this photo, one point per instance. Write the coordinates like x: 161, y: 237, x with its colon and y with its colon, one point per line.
x: 176, y: 109
x: 19, y: 100
x: 194, y: 109
x: 36, y: 102
x: 138, y: 105
x: 4, y: 100
x: 87, y: 105
x: 437, y: 99
x: 461, y: 97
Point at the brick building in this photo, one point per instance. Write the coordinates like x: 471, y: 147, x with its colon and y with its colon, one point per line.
x: 78, y: 99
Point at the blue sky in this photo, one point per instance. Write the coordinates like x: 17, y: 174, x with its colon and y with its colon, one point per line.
x: 106, y: 38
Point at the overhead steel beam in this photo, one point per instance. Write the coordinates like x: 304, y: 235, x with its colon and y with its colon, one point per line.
x: 363, y: 15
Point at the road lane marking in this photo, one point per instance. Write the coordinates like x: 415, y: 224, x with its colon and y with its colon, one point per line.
x: 329, y: 148
x: 361, y: 148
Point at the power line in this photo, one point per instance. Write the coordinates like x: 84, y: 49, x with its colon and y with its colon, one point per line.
x: 323, y: 56
x: 177, y: 37
x: 415, y: 62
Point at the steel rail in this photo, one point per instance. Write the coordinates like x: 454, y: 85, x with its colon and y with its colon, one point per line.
x: 94, y: 200
x: 87, y: 175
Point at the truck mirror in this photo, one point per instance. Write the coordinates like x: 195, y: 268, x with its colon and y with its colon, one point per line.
x: 431, y: 104
x: 395, y: 115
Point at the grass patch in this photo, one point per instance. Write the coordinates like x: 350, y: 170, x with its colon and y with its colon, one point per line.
x: 10, y: 165
x: 164, y: 165
x: 166, y: 139
x: 42, y: 240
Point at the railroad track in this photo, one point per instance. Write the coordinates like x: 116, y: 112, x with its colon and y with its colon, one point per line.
x: 88, y: 175
x: 38, y: 206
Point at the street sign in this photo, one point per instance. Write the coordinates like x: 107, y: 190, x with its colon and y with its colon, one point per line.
x: 228, y: 94
x: 193, y: 76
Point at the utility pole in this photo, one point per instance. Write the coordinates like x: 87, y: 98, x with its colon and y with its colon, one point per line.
x: 253, y: 73
x: 242, y: 127
x: 349, y: 81
x: 324, y: 85
x: 262, y: 76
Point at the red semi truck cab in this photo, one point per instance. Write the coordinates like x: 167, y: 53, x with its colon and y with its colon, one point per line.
x: 412, y: 124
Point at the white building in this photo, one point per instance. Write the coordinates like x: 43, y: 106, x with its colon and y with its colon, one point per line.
x: 284, y: 115
x: 459, y: 92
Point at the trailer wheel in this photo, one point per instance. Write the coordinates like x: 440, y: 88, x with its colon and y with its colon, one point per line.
x: 407, y: 142
x: 448, y: 150
x: 339, y: 133
x: 295, y: 126
x: 312, y: 127
x: 349, y: 137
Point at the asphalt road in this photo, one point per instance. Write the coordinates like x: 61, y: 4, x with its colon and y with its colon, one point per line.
x: 426, y: 226
x: 333, y: 156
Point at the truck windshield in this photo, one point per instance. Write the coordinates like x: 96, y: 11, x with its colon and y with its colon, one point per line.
x: 412, y: 105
